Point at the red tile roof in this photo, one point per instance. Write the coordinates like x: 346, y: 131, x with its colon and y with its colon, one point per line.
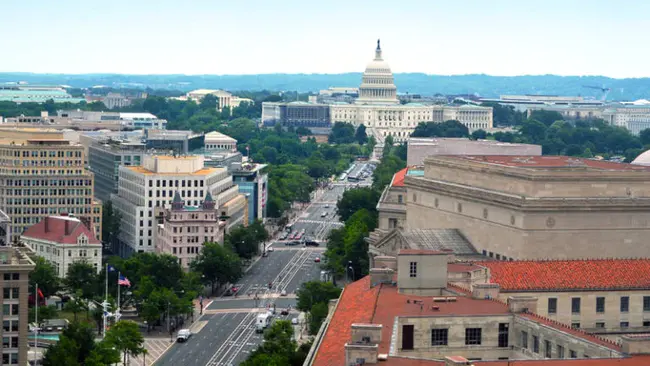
x: 398, y: 178
x: 570, y: 275
x: 549, y: 161
x: 60, y: 229
x: 381, y: 304
x: 356, y: 305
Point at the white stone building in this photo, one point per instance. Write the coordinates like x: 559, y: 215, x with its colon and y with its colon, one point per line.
x: 63, y: 240
x: 379, y: 109
x: 224, y: 98
x: 153, y: 185
x: 217, y: 141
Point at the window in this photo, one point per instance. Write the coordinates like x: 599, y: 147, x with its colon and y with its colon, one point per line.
x: 600, y: 325
x: 625, y: 324
x: 573, y: 354
x: 536, y: 344
x: 575, y: 325
x: 625, y: 304
x: 524, y: 339
x: 548, y: 349
x: 552, y: 305
x: 413, y: 269
x: 646, y: 323
x: 503, y: 335
x: 575, y: 305
x: 560, y: 351
x: 600, y: 304
x: 400, y: 199
x: 392, y: 223
x: 473, y: 336
x: 646, y: 303
x: 439, y: 337
x: 407, y: 336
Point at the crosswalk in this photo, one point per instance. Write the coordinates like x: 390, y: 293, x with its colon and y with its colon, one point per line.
x: 155, y: 348
x: 321, y: 222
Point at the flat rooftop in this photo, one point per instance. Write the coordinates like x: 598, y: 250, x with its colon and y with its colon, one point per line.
x: 141, y: 170
x: 549, y: 162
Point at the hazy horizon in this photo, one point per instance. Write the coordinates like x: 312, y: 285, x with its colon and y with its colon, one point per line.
x: 498, y: 38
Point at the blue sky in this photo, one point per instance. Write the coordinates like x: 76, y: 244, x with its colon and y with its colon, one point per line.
x: 497, y: 37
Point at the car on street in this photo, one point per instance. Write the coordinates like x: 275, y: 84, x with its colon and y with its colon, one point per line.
x: 183, y: 335
x: 311, y: 243
x: 283, y: 293
x: 324, y: 214
x: 327, y: 206
x: 317, y: 260
x: 284, y: 236
x: 231, y: 291
x: 270, y: 249
x: 294, y: 321
x: 284, y: 311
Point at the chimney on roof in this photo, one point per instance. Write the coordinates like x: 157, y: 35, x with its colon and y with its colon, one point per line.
x: 485, y: 291
x: 380, y: 275
x: 364, y: 344
x: 46, y: 222
x: 456, y: 361
x: 67, y: 227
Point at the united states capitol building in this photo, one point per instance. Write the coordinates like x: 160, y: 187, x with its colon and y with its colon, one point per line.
x: 374, y: 104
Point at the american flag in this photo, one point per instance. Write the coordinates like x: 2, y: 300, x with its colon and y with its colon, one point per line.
x: 123, y: 281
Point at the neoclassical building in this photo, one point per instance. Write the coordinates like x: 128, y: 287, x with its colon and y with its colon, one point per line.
x: 379, y: 109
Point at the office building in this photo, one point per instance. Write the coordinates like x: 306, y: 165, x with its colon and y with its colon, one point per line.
x: 142, y: 189
x: 176, y: 141
x: 127, y: 120
x: 252, y: 181
x: 405, y: 312
x: 63, y: 240
x: 105, y: 158
x: 534, y: 207
x: 42, y: 174
x: 377, y: 107
x: 222, y: 159
x: 182, y: 230
x: 5, y: 222
x: 15, y: 267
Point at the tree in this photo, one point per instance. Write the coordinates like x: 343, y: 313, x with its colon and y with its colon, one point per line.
x: 479, y: 135
x: 534, y: 130
x: 82, y: 277
x: 63, y: 352
x: 341, y: 133
x: 103, y: 354
x: 644, y: 136
x: 317, y: 314
x: 76, y: 346
x: 76, y: 305
x: 450, y: 128
x: 217, y: 264
x: 360, y: 136
x: 209, y: 102
x: 356, y: 199
x: 243, y: 242
x: 314, y: 292
x: 44, y: 274
x: 111, y: 219
x: 44, y: 313
x: 303, y: 131
x: 126, y: 338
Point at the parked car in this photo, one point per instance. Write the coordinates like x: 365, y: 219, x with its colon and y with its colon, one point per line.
x: 285, y: 311
x: 294, y: 321
x: 317, y: 260
x: 283, y: 293
x: 270, y: 249
x: 311, y: 243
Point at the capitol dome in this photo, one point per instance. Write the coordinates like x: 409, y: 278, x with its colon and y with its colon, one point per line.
x: 377, y: 85
x: 643, y: 159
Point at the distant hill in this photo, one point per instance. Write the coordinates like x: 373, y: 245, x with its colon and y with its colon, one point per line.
x: 414, y: 83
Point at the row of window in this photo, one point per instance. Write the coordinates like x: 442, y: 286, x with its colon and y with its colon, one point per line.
x: 548, y: 347
x: 576, y: 303
x: 11, y: 276
x: 10, y: 325
x: 171, y: 193
x: 174, y: 183
x: 10, y: 292
x: 9, y: 342
x: 48, y: 182
x: 45, y: 154
x: 10, y: 358
x: 440, y: 336
x: 10, y: 309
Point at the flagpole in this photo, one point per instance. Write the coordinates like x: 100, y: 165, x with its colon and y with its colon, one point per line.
x: 119, y: 276
x: 36, y: 320
x: 105, y: 304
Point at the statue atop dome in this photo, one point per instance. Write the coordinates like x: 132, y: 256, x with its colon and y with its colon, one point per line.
x: 378, y: 47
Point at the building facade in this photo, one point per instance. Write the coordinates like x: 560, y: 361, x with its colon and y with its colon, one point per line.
x: 42, y: 174
x: 153, y: 185
x: 15, y: 267
x: 406, y: 313
x: 62, y: 241
x: 105, y: 159
x: 25, y: 93
x: 252, y: 181
x: 377, y: 107
x: 182, y: 230
x: 224, y: 98
x: 217, y: 141
x: 420, y: 148
x: 535, y: 207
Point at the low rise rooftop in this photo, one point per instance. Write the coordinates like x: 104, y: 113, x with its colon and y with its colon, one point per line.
x: 550, y: 162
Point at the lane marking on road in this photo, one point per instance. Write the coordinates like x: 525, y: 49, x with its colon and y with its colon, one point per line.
x: 198, y: 326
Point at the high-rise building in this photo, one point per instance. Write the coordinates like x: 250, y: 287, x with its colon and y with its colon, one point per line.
x: 42, y: 174
x: 141, y: 189
x: 253, y: 182
x: 104, y: 160
x: 15, y: 267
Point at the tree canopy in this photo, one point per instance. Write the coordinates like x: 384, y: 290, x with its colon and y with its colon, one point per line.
x: 451, y: 128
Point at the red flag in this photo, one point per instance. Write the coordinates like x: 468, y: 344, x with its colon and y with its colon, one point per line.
x: 40, y: 294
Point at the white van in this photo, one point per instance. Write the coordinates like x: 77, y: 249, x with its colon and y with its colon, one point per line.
x: 263, y: 321
x: 183, y: 335
x: 323, y: 214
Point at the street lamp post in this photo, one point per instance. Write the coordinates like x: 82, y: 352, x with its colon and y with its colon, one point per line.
x: 352, y: 269
x: 169, y: 329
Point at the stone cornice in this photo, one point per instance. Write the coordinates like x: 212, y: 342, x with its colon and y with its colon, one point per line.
x: 540, y: 174
x: 524, y: 203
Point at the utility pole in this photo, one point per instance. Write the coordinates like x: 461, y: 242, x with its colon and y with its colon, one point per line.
x: 36, y: 320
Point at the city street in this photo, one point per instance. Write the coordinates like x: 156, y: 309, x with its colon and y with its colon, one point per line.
x: 225, y: 334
